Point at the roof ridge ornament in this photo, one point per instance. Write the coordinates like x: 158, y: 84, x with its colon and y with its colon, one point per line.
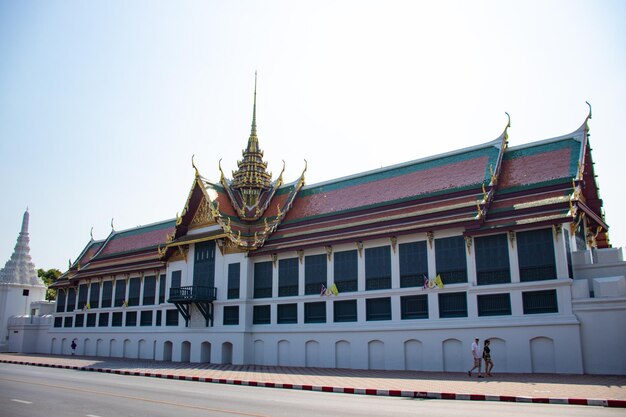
x: 112, y: 228
x: 194, y: 166
x: 589, y: 116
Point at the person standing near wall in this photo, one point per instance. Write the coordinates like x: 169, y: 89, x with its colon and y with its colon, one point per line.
x: 487, y: 358
x: 73, y: 346
x: 477, y: 357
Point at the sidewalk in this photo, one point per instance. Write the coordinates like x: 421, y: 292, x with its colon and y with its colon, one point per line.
x: 599, y: 390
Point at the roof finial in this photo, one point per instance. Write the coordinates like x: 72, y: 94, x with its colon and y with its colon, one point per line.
x: 112, y: 228
x: 509, y: 122
x: 589, y: 115
x: 91, y: 233
x: 253, y: 130
x: 194, y: 165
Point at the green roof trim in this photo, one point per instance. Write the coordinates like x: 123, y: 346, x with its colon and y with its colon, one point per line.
x: 571, y: 143
x: 145, y: 229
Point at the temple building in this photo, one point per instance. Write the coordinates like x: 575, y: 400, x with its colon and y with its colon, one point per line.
x: 396, y: 268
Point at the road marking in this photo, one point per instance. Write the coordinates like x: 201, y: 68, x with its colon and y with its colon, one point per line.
x: 129, y: 397
x: 91, y: 415
x: 21, y: 401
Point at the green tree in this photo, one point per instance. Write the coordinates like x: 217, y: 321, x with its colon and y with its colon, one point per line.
x: 49, y: 277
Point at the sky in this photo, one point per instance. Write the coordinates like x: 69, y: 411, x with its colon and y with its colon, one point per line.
x: 103, y: 103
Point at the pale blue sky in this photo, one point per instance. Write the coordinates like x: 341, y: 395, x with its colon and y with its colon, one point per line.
x: 102, y: 103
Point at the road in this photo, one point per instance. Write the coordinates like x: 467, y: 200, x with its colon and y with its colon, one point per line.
x: 33, y: 392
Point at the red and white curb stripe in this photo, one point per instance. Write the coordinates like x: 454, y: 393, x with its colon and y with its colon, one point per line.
x: 344, y: 390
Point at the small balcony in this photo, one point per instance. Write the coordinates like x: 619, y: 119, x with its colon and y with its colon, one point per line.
x: 192, y: 293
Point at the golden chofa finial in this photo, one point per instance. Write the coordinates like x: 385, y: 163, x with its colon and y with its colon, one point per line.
x: 219, y: 165
x: 509, y: 117
x: 112, y: 228
x: 194, y: 165
x: 589, y: 115
x: 91, y: 233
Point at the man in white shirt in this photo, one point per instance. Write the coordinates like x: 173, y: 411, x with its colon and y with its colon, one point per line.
x: 477, y: 355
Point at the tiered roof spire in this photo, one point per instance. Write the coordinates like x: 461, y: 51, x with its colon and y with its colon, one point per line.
x: 20, y: 268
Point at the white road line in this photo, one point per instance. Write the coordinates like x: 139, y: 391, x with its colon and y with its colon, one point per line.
x: 21, y: 401
x: 91, y: 415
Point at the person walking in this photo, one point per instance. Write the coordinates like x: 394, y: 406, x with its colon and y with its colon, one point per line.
x: 487, y: 358
x: 477, y: 357
x: 73, y: 346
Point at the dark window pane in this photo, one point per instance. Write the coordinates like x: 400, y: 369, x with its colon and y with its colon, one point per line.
x: 94, y: 295
x: 79, y: 321
x: 120, y: 292
x: 58, y: 322
x: 204, y: 264
x: 452, y: 305
x: 131, y: 318
x: 492, y: 259
x: 535, y: 250
x: 116, y: 319
x: 68, y: 321
x: 344, y: 311
x: 494, y: 305
x: 450, y: 259
x: 71, y: 300
x: 103, y: 319
x: 91, y: 320
x: 345, y: 267
x: 315, y: 272
x: 176, y: 279
x: 82, y: 296
x: 146, y: 318
x: 159, y: 315
x: 231, y: 315
x: 134, y: 286
x: 60, y: 301
x: 540, y: 302
x: 149, y: 290
x: 261, y: 315
x: 378, y: 309
x: 287, y: 313
x: 162, y: 284
x: 414, y: 307
x: 171, y: 318
x: 413, y: 264
x: 315, y: 312
x: 262, y: 279
x: 107, y: 293
x: 234, y: 271
x: 378, y: 268
x: 288, y: 277
x: 568, y: 252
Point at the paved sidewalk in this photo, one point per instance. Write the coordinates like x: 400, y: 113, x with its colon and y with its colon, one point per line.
x: 600, y: 390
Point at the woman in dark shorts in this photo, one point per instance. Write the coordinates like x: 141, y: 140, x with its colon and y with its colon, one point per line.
x: 487, y: 358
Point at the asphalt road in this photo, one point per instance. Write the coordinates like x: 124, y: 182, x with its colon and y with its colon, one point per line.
x: 33, y: 392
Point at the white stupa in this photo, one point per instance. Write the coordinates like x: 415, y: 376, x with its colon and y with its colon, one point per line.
x: 19, y: 283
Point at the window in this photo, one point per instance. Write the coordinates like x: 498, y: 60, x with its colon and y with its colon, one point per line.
x: 204, y: 264
x: 91, y: 320
x: 315, y: 272
x: 146, y: 318
x: 378, y: 309
x: 162, y: 285
x: 149, y: 290
x: 344, y: 311
x: 579, y: 235
x: 120, y: 292
x: 176, y: 279
x: 71, y: 300
x: 82, y: 296
x: 131, y: 318
x: 568, y: 252
x: 450, y: 259
x: 414, y: 307
x: 103, y: 319
x: 171, y: 318
x: 159, y: 313
x: 287, y: 313
x: 315, y: 312
x: 233, y: 281
x: 494, y: 305
x: 134, y: 286
x: 107, y: 293
x: 58, y: 322
x: 346, y: 270
x: 492, y: 259
x: 413, y: 264
x: 261, y: 315
x: 67, y: 322
x: 79, y: 321
x: 231, y: 314
x: 540, y: 302
x: 378, y: 268
x: 116, y: 319
x: 263, y: 279
x: 94, y: 295
x: 60, y: 301
x: 452, y: 304
x: 535, y: 250
x: 288, y: 277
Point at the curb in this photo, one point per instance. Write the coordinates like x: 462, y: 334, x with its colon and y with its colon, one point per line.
x: 346, y: 390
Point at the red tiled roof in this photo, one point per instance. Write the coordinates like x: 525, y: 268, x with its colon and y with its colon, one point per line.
x: 532, y: 169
